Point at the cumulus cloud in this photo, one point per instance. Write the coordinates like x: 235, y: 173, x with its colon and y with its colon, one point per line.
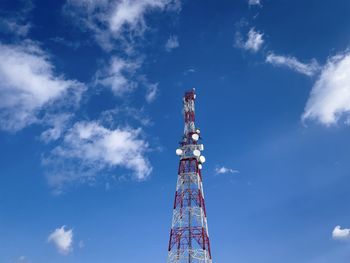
x: 117, y: 76
x: 62, y: 239
x: 253, y: 41
x: 172, y: 43
x: 254, y: 2
x: 225, y: 170
x: 341, y: 234
x: 110, y: 19
x: 308, y: 69
x: 330, y: 96
x: 88, y: 148
x: 28, y: 85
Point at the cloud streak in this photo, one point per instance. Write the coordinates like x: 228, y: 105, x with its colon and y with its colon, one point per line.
x: 225, y: 170
x: 308, y: 69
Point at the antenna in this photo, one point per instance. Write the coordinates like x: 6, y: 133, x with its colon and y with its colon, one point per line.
x: 189, y: 236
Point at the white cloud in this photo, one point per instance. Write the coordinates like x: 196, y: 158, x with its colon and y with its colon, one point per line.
x: 254, y: 2
x: 253, y: 42
x: 110, y: 19
x: 117, y: 76
x: 172, y: 43
x: 291, y: 62
x: 330, y: 96
x: 29, y: 85
x: 152, y: 91
x: 62, y: 239
x: 225, y: 170
x: 341, y: 234
x: 89, y: 148
x: 131, y: 14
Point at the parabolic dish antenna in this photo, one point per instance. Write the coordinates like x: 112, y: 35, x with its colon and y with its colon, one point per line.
x: 195, y: 137
x: 197, y: 153
x: 178, y: 151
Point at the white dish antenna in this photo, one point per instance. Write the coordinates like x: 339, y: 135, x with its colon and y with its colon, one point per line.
x: 200, y: 166
x: 197, y: 153
x: 202, y: 159
x: 195, y: 137
x: 179, y: 152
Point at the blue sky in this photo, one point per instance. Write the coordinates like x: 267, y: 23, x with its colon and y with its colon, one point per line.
x: 90, y: 117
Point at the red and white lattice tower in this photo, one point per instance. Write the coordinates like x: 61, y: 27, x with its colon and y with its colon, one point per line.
x: 189, y: 238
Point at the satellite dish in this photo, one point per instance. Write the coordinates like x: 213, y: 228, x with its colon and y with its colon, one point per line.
x: 197, y: 153
x: 178, y: 152
x: 200, y: 166
x: 198, y: 131
x: 195, y: 137
x: 202, y: 159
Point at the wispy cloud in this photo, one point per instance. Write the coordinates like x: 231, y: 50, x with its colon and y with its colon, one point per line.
x: 330, y: 96
x: 22, y: 259
x: 254, y: 2
x: 109, y: 20
x: 152, y: 92
x: 308, y: 69
x: 172, y: 43
x: 253, y: 42
x: 118, y: 76
x: 16, y: 23
x: 14, y: 26
x: 57, y: 124
x: 28, y: 85
x: 62, y: 239
x: 128, y: 114
x: 225, y: 170
x: 89, y: 148
x: 189, y: 71
x: 341, y: 234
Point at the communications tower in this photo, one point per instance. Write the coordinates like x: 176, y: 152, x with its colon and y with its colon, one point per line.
x: 189, y: 238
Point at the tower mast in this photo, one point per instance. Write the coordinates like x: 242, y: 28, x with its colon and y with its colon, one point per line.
x: 189, y: 237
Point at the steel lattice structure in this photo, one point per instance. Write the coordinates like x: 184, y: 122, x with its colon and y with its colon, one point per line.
x: 189, y: 237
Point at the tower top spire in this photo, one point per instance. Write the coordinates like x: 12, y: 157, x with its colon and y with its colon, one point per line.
x: 189, y: 113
